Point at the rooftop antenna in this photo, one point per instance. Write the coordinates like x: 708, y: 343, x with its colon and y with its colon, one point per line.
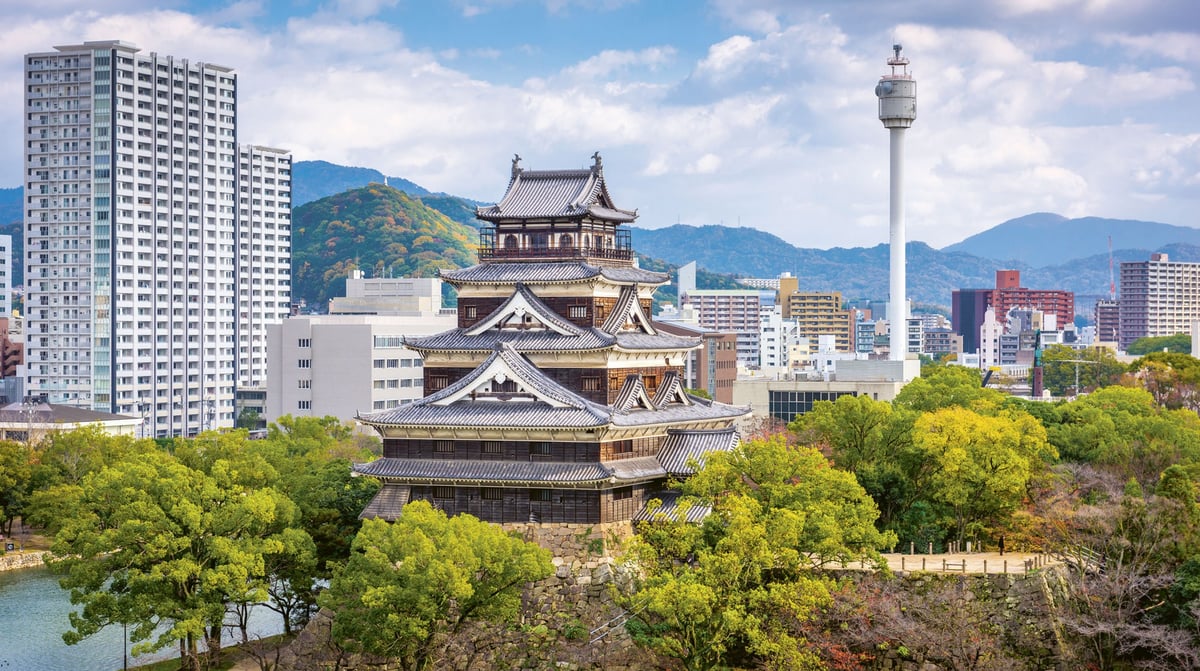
x: 1112, y: 282
x: 897, y: 93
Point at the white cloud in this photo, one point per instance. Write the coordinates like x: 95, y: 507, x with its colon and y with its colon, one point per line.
x: 1182, y: 47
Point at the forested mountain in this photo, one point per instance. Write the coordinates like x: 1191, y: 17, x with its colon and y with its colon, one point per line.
x: 313, y: 180
x: 376, y: 228
x: 863, y: 271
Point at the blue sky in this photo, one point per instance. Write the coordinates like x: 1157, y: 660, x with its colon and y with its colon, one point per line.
x: 750, y: 112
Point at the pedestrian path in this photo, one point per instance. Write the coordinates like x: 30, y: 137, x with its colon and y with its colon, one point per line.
x: 966, y: 562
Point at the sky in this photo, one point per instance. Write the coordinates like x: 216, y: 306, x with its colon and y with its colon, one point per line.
x: 756, y: 113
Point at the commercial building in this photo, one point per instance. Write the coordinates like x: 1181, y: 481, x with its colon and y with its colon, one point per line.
x: 346, y: 365
x: 713, y: 366
x: 1159, y: 297
x: 817, y: 313
x: 158, y: 248
x: 1107, y: 320
x: 969, y: 305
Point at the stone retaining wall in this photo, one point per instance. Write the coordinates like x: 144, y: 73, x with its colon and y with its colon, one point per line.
x: 16, y: 560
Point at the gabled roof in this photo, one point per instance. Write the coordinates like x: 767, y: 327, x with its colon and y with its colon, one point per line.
x: 670, y: 390
x: 556, y: 194
x: 548, y: 272
x: 480, y: 398
x: 628, y: 315
x: 633, y: 394
x: 484, y: 397
x: 523, y: 310
x: 529, y: 325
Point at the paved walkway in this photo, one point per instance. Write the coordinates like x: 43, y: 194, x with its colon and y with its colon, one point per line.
x: 974, y: 562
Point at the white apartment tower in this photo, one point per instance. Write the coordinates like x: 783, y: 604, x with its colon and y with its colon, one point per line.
x: 157, y: 248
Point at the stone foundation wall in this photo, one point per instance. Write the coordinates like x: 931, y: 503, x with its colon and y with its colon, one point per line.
x: 15, y: 560
x: 578, y: 542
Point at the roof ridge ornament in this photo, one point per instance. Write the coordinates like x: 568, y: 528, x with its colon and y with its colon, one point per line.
x: 516, y: 165
x: 598, y: 166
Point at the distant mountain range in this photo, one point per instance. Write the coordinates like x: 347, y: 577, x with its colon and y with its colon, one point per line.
x: 1051, y: 251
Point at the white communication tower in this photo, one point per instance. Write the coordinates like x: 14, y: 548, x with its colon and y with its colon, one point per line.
x: 897, y: 93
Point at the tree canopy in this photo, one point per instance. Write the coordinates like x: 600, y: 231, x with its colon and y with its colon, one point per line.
x: 409, y: 584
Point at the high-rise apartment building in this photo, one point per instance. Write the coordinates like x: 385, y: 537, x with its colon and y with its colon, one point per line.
x: 727, y: 310
x: 1159, y: 297
x: 157, y: 247
x: 6, y: 277
x: 969, y: 305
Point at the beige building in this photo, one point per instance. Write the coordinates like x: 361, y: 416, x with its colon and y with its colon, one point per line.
x: 33, y: 419
x: 817, y: 313
x: 1159, y: 297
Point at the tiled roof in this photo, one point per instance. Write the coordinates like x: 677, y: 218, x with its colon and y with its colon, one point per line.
x: 542, y: 273
x: 627, y: 314
x: 672, y: 503
x: 389, y: 501
x: 54, y: 413
x: 524, y: 301
x: 632, y: 395
x: 631, y: 341
x: 547, y: 404
x: 511, y: 473
x: 543, y: 194
x: 686, y: 444
x: 552, y: 405
x: 670, y: 390
x: 524, y: 341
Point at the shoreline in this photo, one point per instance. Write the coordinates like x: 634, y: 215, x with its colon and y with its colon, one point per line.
x: 19, y: 559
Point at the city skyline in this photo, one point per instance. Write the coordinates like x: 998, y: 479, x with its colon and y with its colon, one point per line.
x: 741, y: 112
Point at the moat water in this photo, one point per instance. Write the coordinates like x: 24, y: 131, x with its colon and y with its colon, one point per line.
x: 34, y: 614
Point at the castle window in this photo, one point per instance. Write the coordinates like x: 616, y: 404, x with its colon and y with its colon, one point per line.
x: 443, y: 492
x: 578, y: 312
x: 438, y: 382
x: 443, y: 446
x: 539, y: 494
x: 565, y: 241
x: 510, y: 242
x: 622, y: 494
x: 591, y: 383
x: 490, y: 493
x: 539, y: 448
x: 622, y: 447
x: 491, y: 447
x: 471, y: 312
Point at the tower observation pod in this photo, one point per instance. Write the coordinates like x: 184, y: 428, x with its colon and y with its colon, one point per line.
x: 897, y: 93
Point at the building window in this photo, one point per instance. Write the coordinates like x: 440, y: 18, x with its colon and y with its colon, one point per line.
x: 393, y: 363
x: 304, y: 363
x: 304, y: 405
x: 443, y: 492
x: 438, y: 382
x: 622, y: 446
x: 443, y: 445
x: 377, y: 363
x: 305, y: 384
x: 471, y: 312
x: 622, y: 494
x: 304, y: 342
x: 591, y: 384
x: 540, y: 494
x: 491, y: 447
x: 539, y: 448
x: 490, y: 493
x: 578, y: 312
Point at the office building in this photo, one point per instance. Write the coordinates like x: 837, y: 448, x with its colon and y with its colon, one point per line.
x: 1158, y: 297
x: 969, y: 305
x: 158, y: 248
x: 1107, y: 318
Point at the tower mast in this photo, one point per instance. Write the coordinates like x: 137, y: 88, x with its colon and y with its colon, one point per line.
x: 897, y: 93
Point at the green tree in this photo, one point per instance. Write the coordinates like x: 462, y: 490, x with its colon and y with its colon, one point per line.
x: 151, y: 541
x: 1060, y: 364
x: 16, y: 473
x: 945, y: 386
x: 979, y: 466
x: 409, y: 584
x: 1180, y: 342
x: 730, y: 592
x: 1172, y: 378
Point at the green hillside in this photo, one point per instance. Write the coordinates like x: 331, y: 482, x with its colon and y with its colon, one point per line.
x: 378, y: 229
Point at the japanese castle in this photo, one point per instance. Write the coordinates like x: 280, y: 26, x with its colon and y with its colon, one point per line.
x: 555, y: 400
